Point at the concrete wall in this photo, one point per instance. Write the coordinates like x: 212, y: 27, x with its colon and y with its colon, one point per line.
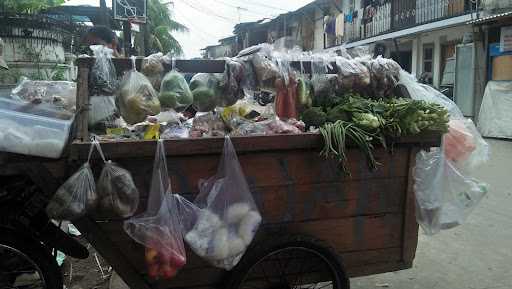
x: 319, y: 30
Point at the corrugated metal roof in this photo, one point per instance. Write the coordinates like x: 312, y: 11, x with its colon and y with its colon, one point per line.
x: 491, y: 18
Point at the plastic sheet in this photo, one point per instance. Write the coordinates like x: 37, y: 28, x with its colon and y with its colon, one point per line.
x: 228, y: 217
x: 137, y: 98
x: 495, y: 118
x: 103, y: 74
x: 58, y: 94
x: 77, y: 195
x: 445, y: 190
x: 159, y: 228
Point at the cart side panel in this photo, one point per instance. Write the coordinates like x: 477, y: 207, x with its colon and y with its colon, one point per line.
x: 297, y: 191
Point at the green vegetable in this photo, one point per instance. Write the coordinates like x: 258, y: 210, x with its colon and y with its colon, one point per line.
x: 314, y: 117
x: 337, y: 113
x: 204, y: 99
x: 304, y: 92
x: 174, y: 91
x: 366, y: 120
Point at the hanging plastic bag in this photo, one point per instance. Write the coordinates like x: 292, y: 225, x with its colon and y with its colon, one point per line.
x: 175, y: 92
x: 153, y: 69
x: 446, y: 192
x: 159, y: 228
x: 103, y: 113
x: 228, y: 217
x: 117, y: 193
x: 77, y: 195
x: 206, y: 88
x: 445, y: 197
x: 232, y: 89
x: 137, y: 98
x: 103, y: 80
x: 352, y: 75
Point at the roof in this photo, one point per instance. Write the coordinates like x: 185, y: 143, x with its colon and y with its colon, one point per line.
x: 232, y: 37
x: 491, y: 18
x: 211, y: 46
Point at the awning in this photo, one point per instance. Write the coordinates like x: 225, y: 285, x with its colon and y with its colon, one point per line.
x: 491, y: 18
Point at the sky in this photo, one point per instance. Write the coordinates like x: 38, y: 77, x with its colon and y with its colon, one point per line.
x: 211, y: 20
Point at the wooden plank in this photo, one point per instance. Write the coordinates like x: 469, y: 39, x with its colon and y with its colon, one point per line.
x: 111, y: 253
x: 202, y: 146
x: 82, y: 100
x: 410, y: 237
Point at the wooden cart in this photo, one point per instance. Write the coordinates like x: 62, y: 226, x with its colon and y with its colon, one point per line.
x: 350, y: 226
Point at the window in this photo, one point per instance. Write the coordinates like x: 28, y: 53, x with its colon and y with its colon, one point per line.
x: 428, y: 64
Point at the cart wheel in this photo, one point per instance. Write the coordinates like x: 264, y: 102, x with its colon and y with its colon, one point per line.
x: 294, y: 262
x: 26, y: 264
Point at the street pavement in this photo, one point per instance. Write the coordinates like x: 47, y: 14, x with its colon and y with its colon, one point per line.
x: 476, y: 255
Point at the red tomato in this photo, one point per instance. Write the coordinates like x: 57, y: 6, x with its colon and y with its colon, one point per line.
x: 168, y: 272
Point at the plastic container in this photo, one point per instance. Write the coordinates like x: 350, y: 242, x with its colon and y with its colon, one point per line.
x: 30, y: 134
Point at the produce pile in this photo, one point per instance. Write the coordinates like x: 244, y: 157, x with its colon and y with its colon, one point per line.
x: 262, y: 93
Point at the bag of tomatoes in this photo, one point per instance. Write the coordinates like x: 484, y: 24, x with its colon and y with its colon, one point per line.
x: 159, y: 228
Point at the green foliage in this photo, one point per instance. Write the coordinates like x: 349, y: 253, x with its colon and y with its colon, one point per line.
x: 28, y: 6
x: 161, y: 26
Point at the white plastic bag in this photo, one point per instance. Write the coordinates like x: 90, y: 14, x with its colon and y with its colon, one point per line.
x: 445, y: 197
x: 227, y: 219
x: 159, y: 228
x: 445, y: 190
x: 77, y: 195
x: 103, y: 74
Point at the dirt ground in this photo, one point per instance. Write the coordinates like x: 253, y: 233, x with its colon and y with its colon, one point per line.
x: 86, y: 274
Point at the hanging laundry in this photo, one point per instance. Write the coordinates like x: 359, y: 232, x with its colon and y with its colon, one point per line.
x: 340, y: 25
x: 330, y: 25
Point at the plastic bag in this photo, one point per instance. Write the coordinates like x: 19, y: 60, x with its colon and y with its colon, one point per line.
x: 159, y: 228
x: 232, y: 88
x: 445, y: 190
x: 77, y: 195
x: 118, y: 195
x: 103, y: 79
x: 206, y: 88
x: 445, y: 197
x: 207, y: 125
x: 352, y: 75
x: 175, y: 92
x: 137, y: 98
x: 153, y: 69
x: 59, y: 94
x: 495, y: 119
x: 228, y: 217
x: 103, y: 113
x: 384, y: 76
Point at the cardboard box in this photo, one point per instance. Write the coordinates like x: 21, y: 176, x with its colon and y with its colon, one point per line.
x: 502, y: 68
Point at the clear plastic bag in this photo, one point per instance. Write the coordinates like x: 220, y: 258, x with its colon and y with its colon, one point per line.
x: 118, y: 195
x: 227, y: 219
x: 352, y: 75
x: 446, y: 192
x: 137, y: 98
x: 58, y: 94
x: 159, y: 228
x: 206, y: 88
x: 232, y: 89
x: 103, y: 113
x: 445, y: 196
x: 175, y: 92
x: 207, y: 125
x: 153, y: 69
x: 103, y: 74
x: 77, y: 195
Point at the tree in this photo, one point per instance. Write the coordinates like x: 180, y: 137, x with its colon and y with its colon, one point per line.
x: 28, y: 6
x: 160, y: 27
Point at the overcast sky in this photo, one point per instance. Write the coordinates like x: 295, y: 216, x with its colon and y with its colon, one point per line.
x: 211, y: 20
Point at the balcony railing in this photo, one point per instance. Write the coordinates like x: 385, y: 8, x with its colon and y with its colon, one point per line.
x: 395, y: 15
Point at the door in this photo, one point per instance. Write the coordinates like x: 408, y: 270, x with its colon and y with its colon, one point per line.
x: 465, y: 79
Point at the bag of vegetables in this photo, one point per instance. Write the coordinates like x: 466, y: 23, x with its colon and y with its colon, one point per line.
x: 117, y: 193
x: 159, y: 228
x: 103, y: 77
x: 175, y: 92
x: 77, y: 195
x: 153, y: 69
x: 137, y: 97
x: 227, y: 219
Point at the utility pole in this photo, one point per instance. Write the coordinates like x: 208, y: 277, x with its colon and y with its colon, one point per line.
x: 239, y: 10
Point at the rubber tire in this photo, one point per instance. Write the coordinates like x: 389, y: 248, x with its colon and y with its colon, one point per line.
x: 37, y: 253
x: 256, y: 253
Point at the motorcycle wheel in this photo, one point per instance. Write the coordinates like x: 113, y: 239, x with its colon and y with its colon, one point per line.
x: 25, y: 263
